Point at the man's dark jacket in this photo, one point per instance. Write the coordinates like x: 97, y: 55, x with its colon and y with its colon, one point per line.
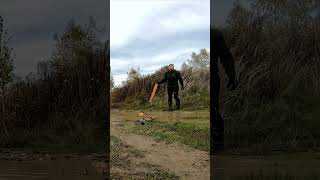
x: 172, y: 78
x: 220, y: 50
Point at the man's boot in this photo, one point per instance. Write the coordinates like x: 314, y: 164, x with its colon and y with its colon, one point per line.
x: 178, y: 104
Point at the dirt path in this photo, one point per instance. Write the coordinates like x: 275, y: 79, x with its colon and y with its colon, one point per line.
x: 183, y: 161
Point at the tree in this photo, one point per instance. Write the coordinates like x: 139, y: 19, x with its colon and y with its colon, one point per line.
x: 6, y: 69
x: 43, y: 70
x: 134, y: 74
x: 184, y: 67
x: 200, y: 61
x: 111, y: 82
x: 285, y: 12
x: 75, y: 41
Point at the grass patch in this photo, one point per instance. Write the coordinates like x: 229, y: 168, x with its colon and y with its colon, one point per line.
x: 191, y: 133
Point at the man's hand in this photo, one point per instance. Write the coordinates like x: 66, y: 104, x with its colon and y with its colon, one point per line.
x: 231, y: 85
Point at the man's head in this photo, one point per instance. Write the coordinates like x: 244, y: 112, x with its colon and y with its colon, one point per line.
x: 171, y: 67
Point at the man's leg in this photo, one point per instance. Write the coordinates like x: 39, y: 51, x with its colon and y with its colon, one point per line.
x: 217, y: 132
x: 170, y: 92
x: 217, y: 124
x: 176, y: 97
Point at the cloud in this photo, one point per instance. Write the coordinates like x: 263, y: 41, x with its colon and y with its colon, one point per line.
x: 119, y: 78
x: 34, y: 22
x: 166, y: 33
x: 28, y: 55
x: 150, y: 64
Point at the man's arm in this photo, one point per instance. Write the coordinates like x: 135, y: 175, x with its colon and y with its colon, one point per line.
x: 164, y: 79
x: 180, y: 79
x: 226, y: 58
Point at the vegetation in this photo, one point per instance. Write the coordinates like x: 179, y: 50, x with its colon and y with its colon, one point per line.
x: 64, y: 104
x: 276, y: 48
x: 6, y: 70
x: 135, y: 92
x: 192, y: 130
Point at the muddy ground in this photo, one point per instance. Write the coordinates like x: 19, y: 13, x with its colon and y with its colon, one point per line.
x: 21, y: 165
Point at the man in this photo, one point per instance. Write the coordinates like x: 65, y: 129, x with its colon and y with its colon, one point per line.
x: 220, y: 51
x: 172, y: 77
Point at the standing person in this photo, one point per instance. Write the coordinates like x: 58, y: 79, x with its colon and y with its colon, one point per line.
x: 172, y: 77
x: 220, y: 51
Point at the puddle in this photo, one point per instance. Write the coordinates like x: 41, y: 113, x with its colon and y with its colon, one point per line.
x: 201, y: 116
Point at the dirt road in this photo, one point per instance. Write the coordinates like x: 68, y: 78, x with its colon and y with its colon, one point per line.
x: 185, y: 162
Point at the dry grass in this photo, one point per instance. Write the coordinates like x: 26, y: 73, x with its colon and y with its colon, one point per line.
x: 278, y: 70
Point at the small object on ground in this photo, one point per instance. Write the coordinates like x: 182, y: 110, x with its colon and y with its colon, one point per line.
x: 145, y: 116
x: 141, y: 114
x: 141, y: 121
x: 153, y: 92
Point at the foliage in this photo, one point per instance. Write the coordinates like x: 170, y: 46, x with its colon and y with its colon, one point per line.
x: 65, y: 102
x: 196, y: 75
x: 6, y: 69
x: 277, y: 62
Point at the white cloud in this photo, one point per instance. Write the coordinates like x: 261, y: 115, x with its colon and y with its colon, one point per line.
x: 147, y: 64
x: 149, y: 23
x: 118, y: 64
x: 119, y: 78
x: 127, y: 16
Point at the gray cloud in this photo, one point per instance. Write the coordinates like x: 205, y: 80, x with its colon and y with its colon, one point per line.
x: 167, y: 35
x: 220, y: 11
x: 34, y: 22
x: 164, y: 43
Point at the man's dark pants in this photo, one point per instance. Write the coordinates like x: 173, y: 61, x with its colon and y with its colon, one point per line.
x: 217, y: 124
x: 175, y: 92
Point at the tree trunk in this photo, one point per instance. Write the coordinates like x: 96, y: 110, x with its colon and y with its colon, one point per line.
x: 4, y: 111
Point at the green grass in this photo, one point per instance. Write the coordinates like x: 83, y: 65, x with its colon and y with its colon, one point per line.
x: 192, y: 133
x: 194, y: 102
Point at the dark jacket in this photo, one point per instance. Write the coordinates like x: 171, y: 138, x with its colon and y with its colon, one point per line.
x: 221, y: 51
x: 172, y: 78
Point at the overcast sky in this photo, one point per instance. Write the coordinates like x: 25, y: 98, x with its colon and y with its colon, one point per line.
x: 144, y: 34
x: 34, y: 22
x: 151, y: 34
